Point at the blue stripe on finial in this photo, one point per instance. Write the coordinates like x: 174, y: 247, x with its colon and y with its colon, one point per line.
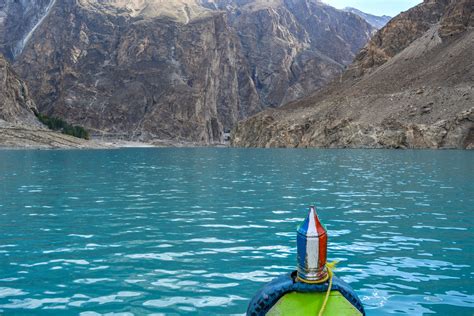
x: 304, y: 227
x: 301, y: 242
x: 301, y: 248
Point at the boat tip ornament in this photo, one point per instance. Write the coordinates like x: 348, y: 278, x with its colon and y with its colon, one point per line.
x: 311, y: 242
x: 313, y: 275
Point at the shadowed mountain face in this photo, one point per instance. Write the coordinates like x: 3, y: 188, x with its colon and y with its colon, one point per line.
x: 16, y: 106
x: 18, y: 21
x: 412, y: 86
x: 19, y: 127
x: 182, y: 69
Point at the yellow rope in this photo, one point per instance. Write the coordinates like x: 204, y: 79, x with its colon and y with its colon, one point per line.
x: 330, y: 267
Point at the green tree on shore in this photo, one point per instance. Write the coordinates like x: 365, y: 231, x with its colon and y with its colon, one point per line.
x: 57, y: 124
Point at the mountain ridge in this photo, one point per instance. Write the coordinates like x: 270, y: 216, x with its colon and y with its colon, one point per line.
x: 376, y: 21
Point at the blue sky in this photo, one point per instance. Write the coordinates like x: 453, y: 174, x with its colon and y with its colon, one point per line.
x: 377, y: 7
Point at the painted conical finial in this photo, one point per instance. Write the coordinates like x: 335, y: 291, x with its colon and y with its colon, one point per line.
x: 311, y: 242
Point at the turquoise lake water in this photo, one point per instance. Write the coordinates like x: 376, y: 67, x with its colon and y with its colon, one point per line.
x: 198, y: 231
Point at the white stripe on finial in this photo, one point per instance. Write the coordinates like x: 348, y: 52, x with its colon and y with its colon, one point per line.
x: 312, y: 231
x: 312, y: 252
x: 312, y: 243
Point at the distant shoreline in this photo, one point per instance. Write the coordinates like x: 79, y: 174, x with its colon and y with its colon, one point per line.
x: 23, y: 138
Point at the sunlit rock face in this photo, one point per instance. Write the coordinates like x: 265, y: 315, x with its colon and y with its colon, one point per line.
x: 183, y: 69
x: 182, y: 11
x: 400, y: 32
x: 412, y: 86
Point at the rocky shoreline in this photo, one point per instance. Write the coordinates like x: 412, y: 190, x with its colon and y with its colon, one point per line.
x: 23, y: 137
x: 20, y: 137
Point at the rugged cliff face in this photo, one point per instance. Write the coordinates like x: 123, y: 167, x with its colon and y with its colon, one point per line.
x: 412, y: 86
x: 294, y: 47
x: 19, y: 126
x: 18, y: 22
x: 16, y: 106
x: 138, y: 76
x: 181, y: 69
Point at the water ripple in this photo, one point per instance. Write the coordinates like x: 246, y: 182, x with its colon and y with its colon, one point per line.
x: 199, y: 231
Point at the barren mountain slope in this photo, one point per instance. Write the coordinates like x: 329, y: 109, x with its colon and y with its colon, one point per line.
x: 398, y: 34
x: 421, y: 97
x: 183, y: 11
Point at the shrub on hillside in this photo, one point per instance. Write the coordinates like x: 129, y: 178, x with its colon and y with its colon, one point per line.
x: 57, y: 124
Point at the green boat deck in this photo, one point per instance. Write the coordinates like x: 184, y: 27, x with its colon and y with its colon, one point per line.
x: 311, y: 303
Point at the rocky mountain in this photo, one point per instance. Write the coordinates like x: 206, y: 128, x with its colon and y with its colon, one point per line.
x: 293, y: 46
x: 377, y: 22
x: 16, y: 106
x: 18, y: 22
x: 19, y: 126
x: 412, y: 86
x: 399, y: 33
x: 181, y: 69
